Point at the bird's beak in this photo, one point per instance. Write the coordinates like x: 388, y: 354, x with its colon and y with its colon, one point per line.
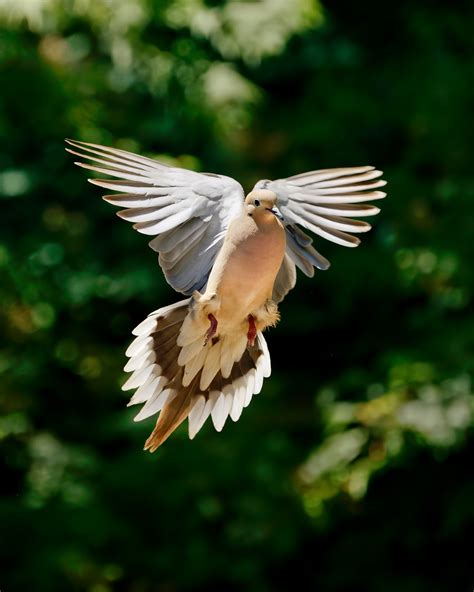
x: 276, y: 212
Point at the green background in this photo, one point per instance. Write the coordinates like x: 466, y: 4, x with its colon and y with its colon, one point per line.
x: 353, y: 469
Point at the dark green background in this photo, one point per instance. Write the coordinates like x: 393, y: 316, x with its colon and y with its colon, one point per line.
x: 353, y: 469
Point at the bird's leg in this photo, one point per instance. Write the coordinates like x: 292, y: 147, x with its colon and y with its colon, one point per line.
x: 252, y: 332
x: 212, y: 328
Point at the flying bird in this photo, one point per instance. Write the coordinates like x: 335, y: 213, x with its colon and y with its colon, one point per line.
x: 234, y: 257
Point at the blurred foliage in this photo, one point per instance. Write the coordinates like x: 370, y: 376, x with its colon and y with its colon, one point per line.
x: 352, y: 470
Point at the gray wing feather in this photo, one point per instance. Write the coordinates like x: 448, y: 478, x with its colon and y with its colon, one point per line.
x: 170, y: 258
x: 285, y: 279
x: 167, y: 242
x: 300, y: 249
x: 187, y: 212
x: 324, y: 202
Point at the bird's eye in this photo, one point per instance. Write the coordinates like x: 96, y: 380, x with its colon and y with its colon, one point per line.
x: 257, y: 202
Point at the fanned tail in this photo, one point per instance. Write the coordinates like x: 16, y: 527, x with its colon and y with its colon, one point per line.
x: 178, y: 376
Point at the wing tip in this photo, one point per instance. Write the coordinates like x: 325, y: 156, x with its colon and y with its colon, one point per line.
x: 83, y: 165
x: 75, y: 143
x: 104, y: 183
x: 78, y: 143
x: 356, y: 242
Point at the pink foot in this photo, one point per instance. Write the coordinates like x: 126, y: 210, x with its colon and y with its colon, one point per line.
x: 252, y: 332
x: 212, y: 329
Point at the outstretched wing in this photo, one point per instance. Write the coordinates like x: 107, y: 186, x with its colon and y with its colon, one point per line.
x: 186, y: 212
x: 325, y: 203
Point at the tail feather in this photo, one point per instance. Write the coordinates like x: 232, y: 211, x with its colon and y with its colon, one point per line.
x: 211, y: 365
x: 221, y: 410
x: 139, y: 361
x: 194, y: 366
x: 239, y: 399
x: 198, y: 418
x: 174, y: 412
x: 155, y: 403
x: 177, y: 376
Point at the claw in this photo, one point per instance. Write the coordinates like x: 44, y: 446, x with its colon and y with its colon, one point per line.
x: 252, y: 332
x: 212, y: 328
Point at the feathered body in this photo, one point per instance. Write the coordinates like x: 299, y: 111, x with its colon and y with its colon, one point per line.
x: 235, y: 257
x: 241, y: 283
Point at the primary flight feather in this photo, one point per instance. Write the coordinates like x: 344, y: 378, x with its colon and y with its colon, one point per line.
x: 235, y: 257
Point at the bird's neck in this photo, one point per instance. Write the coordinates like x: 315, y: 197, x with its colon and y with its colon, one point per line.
x: 266, y: 221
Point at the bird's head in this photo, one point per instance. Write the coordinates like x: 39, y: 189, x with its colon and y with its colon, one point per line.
x: 261, y: 203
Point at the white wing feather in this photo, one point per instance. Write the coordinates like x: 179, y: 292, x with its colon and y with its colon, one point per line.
x: 323, y: 202
x: 187, y: 212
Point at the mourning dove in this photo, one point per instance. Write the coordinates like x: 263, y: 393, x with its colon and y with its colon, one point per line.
x: 235, y: 257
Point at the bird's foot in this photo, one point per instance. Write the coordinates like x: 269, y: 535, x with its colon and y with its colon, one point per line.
x: 252, y: 332
x: 212, y: 328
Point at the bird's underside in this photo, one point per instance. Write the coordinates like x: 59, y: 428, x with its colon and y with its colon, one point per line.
x: 235, y: 257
